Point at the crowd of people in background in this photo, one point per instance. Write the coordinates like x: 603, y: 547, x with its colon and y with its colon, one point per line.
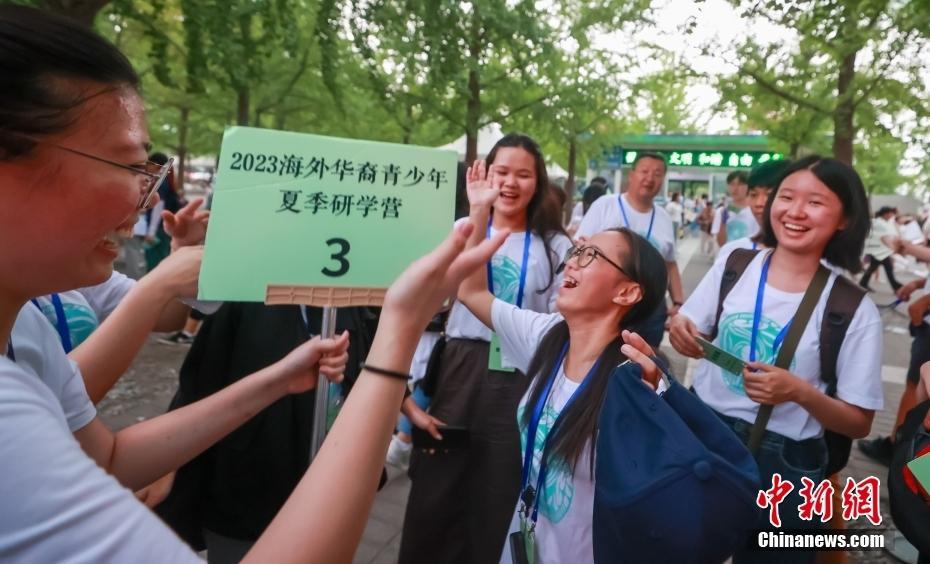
x: 553, y: 327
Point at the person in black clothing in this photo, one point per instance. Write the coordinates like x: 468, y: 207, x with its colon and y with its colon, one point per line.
x: 226, y: 497
x: 156, y: 250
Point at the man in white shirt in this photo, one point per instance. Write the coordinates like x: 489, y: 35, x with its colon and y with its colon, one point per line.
x: 880, y: 246
x: 635, y: 210
x: 734, y: 220
x: 674, y: 209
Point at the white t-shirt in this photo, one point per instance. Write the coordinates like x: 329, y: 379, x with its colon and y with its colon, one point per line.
x: 674, y: 210
x: 732, y: 245
x: 748, y: 243
x: 910, y: 231
x: 86, y: 308
x: 605, y: 214
x: 58, y: 504
x: 506, y: 264
x: 421, y: 356
x: 577, y: 214
x: 38, y: 351
x: 141, y: 228
x: 740, y: 223
x: 873, y: 245
x: 858, y: 366
x: 566, y: 508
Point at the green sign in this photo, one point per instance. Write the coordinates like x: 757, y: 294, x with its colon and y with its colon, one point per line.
x: 711, y: 159
x: 292, y: 209
x: 921, y: 469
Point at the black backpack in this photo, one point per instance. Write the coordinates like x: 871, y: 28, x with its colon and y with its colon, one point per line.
x: 842, y: 303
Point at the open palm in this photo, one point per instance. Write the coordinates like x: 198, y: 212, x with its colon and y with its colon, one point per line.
x: 480, y: 186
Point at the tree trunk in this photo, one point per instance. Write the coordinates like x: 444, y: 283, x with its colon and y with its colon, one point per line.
x: 473, y: 106
x: 182, y: 146
x: 570, y: 181
x: 407, y: 127
x: 472, y: 118
x: 242, y: 104
x: 81, y: 11
x: 844, y: 130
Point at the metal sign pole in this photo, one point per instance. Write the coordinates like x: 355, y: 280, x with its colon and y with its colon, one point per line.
x: 321, y: 404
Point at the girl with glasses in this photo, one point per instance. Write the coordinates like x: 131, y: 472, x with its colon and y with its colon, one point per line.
x: 461, y: 500
x: 616, y: 279
x: 67, y: 86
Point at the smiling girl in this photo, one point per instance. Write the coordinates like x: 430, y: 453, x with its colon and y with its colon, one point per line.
x: 818, y: 211
x: 461, y: 500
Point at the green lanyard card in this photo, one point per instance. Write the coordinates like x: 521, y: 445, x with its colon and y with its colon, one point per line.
x: 495, y: 358
x: 721, y: 358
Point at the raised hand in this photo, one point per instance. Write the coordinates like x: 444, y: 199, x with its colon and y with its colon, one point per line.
x: 419, y: 291
x: 480, y: 185
x: 188, y: 226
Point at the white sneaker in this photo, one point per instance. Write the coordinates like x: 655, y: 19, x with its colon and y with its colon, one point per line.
x: 398, y: 453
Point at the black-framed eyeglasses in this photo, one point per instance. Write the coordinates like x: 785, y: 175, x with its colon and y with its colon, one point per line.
x: 584, y: 256
x: 153, y: 173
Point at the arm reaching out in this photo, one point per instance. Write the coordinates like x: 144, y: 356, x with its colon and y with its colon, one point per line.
x: 483, y: 191
x: 324, y: 518
x: 110, y: 350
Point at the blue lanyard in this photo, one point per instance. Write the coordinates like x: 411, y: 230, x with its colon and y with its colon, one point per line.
x: 534, y: 425
x: 526, y: 259
x: 757, y: 316
x: 626, y: 220
x: 61, y: 321
x: 754, y: 247
x: 9, y: 349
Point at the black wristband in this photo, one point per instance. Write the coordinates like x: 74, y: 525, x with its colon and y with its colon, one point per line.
x: 385, y: 372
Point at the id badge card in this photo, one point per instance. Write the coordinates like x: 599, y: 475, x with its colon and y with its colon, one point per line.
x: 523, y: 544
x: 721, y: 358
x: 495, y: 359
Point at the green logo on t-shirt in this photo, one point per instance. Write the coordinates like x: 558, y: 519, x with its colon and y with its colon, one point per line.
x: 82, y: 321
x: 737, y: 229
x: 559, y: 490
x: 735, y: 334
x: 506, y: 276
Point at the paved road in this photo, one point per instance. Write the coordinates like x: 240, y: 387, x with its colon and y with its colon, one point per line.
x: 149, y: 385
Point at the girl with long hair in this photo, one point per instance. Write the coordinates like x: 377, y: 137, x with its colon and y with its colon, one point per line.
x: 616, y: 279
x: 461, y: 500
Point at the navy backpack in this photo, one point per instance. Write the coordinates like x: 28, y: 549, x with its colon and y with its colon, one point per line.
x: 672, y: 482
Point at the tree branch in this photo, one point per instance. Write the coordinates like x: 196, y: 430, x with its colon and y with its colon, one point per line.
x: 767, y: 85
x: 518, y: 109
x: 881, y: 74
x: 302, y: 67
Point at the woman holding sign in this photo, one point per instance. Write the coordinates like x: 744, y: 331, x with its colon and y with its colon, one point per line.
x: 73, y: 168
x: 817, y: 211
x: 461, y: 499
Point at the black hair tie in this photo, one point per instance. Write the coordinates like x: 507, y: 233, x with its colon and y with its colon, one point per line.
x: 386, y: 372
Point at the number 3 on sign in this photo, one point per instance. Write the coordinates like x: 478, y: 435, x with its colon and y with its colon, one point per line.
x: 339, y: 256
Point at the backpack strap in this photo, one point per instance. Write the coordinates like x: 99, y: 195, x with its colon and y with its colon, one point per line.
x: 788, y: 347
x: 736, y: 265
x: 842, y: 303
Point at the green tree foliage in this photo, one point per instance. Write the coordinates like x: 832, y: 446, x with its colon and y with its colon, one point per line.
x: 854, y: 73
